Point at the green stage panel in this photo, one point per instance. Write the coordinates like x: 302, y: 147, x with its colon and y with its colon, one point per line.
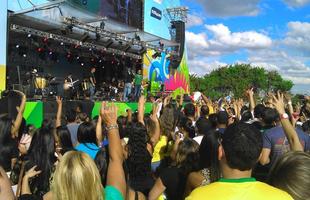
x: 34, y: 111
x: 122, y: 107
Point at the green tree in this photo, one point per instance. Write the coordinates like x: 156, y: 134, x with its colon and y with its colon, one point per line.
x: 235, y: 79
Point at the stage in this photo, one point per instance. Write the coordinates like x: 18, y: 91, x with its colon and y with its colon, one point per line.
x: 36, y: 112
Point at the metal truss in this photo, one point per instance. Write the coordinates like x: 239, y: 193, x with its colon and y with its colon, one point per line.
x: 21, y: 29
x: 177, y: 14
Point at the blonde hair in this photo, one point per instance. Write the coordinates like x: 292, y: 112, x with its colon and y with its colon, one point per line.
x: 77, y: 177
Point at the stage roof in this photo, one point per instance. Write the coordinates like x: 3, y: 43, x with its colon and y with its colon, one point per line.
x: 48, y: 16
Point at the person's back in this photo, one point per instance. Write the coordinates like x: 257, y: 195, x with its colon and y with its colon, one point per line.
x: 238, y: 154
x: 240, y: 189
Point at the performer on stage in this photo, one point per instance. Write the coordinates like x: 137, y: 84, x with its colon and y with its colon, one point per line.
x: 68, y: 87
x: 92, y: 80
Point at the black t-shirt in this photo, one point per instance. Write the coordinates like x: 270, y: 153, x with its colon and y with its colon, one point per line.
x: 174, y: 181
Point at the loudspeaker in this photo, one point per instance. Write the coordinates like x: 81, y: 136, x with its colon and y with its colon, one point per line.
x: 179, y: 27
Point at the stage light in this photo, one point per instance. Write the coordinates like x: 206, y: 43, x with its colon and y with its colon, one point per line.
x: 45, y: 40
x: 29, y: 35
x: 40, y: 49
x: 82, y: 64
x: 76, y: 46
x: 61, y: 44
x: 78, y: 57
x: 17, y: 46
x: 102, y: 25
x: 100, y: 61
x: 24, y: 55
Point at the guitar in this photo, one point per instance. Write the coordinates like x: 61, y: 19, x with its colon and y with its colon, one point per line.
x: 69, y: 85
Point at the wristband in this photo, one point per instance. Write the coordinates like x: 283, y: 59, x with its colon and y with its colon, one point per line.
x: 284, y: 116
x: 289, y: 103
x: 108, y: 128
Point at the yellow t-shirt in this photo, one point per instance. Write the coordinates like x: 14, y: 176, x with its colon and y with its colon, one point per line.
x: 238, y: 189
x: 160, y: 149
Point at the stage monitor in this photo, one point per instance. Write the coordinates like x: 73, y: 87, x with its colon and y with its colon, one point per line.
x: 156, y: 20
x: 125, y: 11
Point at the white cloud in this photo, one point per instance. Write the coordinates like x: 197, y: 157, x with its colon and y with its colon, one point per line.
x: 224, y: 39
x: 204, y: 66
x: 298, y: 37
x: 296, y: 3
x: 228, y: 8
x: 194, y: 20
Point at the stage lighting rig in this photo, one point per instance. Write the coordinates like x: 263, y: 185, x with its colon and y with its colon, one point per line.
x: 65, y: 40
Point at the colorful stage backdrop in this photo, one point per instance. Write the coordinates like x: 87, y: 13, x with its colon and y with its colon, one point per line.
x: 156, y: 69
x: 3, y: 43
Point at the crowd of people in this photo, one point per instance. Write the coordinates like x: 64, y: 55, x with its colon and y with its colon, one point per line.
x: 231, y: 149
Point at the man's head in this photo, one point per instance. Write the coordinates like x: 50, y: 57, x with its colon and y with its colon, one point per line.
x: 241, y: 146
x: 258, y: 111
x: 139, y: 71
x: 222, y: 118
x: 204, y: 110
x: 189, y: 110
x: 71, y: 115
x: 270, y: 116
x: 93, y: 70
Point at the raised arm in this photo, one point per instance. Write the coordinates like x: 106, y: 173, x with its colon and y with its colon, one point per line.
x: 99, y: 135
x: 19, y: 117
x: 59, y: 111
x: 141, y: 104
x: 29, y: 174
x: 250, y: 94
x: 116, y: 175
x: 156, y: 131
x: 288, y: 128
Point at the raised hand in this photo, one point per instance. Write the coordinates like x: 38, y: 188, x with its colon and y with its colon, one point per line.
x: 108, y: 114
x: 154, y: 117
x: 32, y: 172
x: 59, y: 100
x: 278, y: 102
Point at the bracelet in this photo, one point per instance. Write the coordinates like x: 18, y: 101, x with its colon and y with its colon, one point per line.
x: 289, y: 103
x: 108, y: 128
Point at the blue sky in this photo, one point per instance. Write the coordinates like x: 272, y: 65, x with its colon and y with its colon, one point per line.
x: 274, y: 34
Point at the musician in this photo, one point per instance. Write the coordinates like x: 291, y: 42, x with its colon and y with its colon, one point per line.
x: 68, y: 87
x: 92, y: 80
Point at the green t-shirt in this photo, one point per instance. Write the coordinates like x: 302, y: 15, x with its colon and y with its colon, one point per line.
x: 111, y: 193
x: 138, y: 79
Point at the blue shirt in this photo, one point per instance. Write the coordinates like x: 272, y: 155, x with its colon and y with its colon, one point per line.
x: 88, y: 148
x: 275, y: 140
x: 111, y: 193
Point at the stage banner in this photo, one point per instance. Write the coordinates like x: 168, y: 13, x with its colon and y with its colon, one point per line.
x: 3, y: 42
x: 125, y: 11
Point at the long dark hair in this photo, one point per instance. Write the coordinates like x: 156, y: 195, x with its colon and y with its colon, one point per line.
x: 208, y: 152
x: 7, y: 143
x: 64, y: 137
x: 42, y: 153
x: 139, y: 159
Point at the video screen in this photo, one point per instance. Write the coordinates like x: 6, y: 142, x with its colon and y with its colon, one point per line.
x: 125, y: 11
